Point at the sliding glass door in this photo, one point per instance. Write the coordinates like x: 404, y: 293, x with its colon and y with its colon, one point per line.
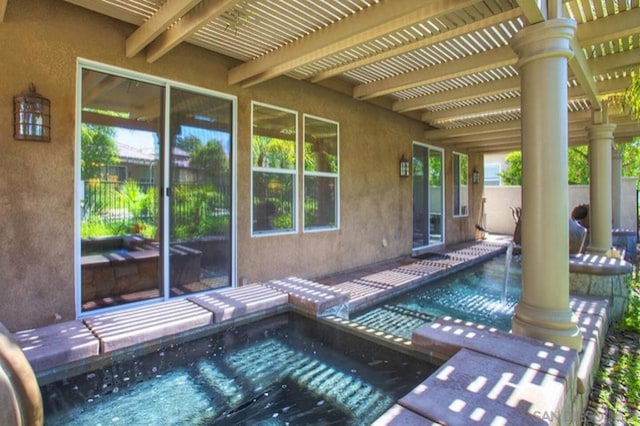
x: 155, y: 195
x: 428, y: 196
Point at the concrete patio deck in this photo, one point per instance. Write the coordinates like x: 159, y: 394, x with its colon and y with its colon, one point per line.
x: 487, y: 375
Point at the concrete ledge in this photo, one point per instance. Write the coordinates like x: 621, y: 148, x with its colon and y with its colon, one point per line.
x: 310, y: 297
x: 234, y: 303
x: 596, y: 264
x: 140, y: 325
x: 472, y: 388
x: 57, y: 344
x: 397, y: 415
x: 360, y: 293
x: 447, y: 335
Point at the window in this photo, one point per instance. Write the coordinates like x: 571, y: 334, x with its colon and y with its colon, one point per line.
x: 492, y: 174
x: 274, y: 169
x: 320, y: 174
x: 460, y: 184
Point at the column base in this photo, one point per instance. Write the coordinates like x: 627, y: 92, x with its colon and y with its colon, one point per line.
x: 551, y: 325
x: 597, y: 249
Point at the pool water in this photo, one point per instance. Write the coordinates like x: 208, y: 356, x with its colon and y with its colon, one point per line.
x: 285, y: 370
x: 473, y: 294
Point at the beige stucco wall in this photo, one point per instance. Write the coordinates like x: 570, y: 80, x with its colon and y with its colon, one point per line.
x: 41, y: 41
x: 500, y: 198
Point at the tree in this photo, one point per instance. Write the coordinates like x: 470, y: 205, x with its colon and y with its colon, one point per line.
x: 211, y: 159
x: 578, y: 165
x: 189, y: 143
x: 98, y: 149
x: 512, y: 175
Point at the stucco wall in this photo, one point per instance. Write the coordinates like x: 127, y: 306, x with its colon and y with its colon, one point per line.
x: 41, y: 41
x: 500, y: 198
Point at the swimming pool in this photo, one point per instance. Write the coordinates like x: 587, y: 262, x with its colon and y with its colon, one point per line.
x: 282, y: 370
x: 473, y: 294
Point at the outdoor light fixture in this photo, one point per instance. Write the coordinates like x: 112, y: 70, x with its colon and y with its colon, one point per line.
x: 404, y: 166
x: 31, y: 116
x: 475, y: 176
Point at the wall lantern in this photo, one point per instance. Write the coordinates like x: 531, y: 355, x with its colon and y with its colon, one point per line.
x: 404, y: 166
x: 31, y: 116
x: 475, y: 176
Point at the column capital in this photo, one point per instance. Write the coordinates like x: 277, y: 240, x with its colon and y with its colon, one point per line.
x: 548, y: 39
x: 601, y: 131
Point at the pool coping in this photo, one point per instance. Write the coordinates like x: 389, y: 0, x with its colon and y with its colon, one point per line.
x: 70, y: 359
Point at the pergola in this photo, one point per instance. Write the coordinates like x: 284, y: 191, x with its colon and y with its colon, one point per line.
x: 447, y: 63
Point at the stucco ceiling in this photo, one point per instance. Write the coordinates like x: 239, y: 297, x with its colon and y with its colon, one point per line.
x: 446, y: 62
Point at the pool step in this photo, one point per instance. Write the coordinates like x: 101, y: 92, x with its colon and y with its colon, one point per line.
x: 394, y: 320
x: 272, y: 361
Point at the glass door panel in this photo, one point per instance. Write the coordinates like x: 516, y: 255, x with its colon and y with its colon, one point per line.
x: 420, y: 196
x: 428, y: 213
x: 121, y: 122
x: 436, y: 212
x: 200, y: 201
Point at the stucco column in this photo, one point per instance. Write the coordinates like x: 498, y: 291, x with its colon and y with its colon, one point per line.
x: 543, y: 311
x: 616, y: 187
x: 600, y: 138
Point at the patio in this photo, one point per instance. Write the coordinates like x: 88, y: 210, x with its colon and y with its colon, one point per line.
x: 316, y: 138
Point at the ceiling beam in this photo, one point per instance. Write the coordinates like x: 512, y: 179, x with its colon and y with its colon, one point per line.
x: 613, y: 27
x: 168, y: 13
x: 371, y: 23
x: 582, y: 72
x: 608, y: 63
x: 607, y: 87
x: 469, y: 111
x: 442, y: 134
x: 492, y: 59
x: 509, y: 84
x: 419, y: 44
x: 195, y: 19
x: 3, y: 9
x: 107, y: 9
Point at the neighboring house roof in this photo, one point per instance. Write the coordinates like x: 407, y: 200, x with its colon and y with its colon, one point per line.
x: 148, y: 154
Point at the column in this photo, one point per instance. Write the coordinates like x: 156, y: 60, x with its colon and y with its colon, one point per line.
x: 600, y: 138
x: 616, y: 187
x: 543, y: 311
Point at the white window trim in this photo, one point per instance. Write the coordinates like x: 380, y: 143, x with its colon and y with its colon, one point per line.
x: 321, y: 174
x: 293, y: 171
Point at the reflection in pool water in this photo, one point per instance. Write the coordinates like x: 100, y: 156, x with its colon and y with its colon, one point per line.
x: 473, y: 294
x: 283, y: 370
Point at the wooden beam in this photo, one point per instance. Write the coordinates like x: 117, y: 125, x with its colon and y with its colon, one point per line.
x: 613, y: 27
x: 419, y: 44
x: 195, y: 19
x: 3, y: 9
x: 582, y: 72
x: 168, y: 14
x: 125, y: 123
x: 107, y: 9
x: 492, y: 59
x: 456, y: 95
x: 604, y: 64
x: 442, y: 134
x: 371, y: 23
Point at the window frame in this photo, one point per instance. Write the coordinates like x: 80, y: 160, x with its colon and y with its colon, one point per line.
x: 335, y: 176
x: 167, y: 84
x: 461, y: 208
x: 293, y: 172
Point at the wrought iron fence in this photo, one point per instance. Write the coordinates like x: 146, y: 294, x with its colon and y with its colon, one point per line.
x: 190, y: 203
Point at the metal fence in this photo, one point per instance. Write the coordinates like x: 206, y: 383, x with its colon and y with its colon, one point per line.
x: 113, y: 202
